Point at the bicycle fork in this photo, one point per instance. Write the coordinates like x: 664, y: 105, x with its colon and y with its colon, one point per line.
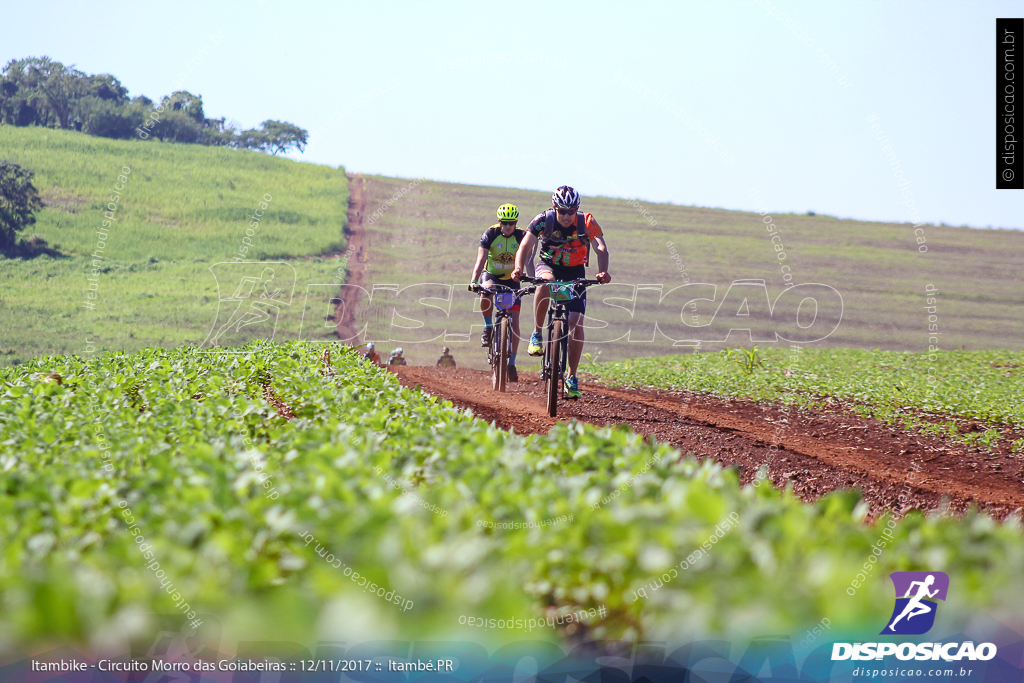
x: 494, y: 352
x: 547, y: 370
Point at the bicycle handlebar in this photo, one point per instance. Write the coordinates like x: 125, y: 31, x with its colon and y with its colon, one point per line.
x: 581, y: 282
x: 520, y: 293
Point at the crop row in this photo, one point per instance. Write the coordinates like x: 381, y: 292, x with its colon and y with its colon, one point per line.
x: 916, y: 390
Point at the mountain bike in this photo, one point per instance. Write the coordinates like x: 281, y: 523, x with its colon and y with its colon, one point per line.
x: 556, y: 353
x: 501, y: 338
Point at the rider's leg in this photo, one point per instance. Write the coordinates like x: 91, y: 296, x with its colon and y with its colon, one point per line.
x: 540, y: 303
x: 540, y: 310
x: 575, y: 341
x: 542, y: 296
x: 487, y: 309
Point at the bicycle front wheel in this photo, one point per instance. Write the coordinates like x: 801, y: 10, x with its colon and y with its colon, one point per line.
x: 504, y: 343
x: 554, y: 362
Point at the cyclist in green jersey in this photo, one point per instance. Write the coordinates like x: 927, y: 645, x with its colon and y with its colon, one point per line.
x: 495, y: 260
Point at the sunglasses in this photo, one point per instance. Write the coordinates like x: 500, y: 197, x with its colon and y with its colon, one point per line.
x: 566, y: 212
x: 507, y: 224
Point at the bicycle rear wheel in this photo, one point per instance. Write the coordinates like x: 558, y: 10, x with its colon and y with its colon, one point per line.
x: 504, y: 342
x: 554, y: 358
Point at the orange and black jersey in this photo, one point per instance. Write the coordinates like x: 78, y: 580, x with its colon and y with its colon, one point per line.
x: 560, y: 246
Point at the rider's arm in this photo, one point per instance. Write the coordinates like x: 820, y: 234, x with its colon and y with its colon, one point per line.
x: 531, y: 260
x: 481, y: 259
x: 601, y: 248
x: 525, y: 251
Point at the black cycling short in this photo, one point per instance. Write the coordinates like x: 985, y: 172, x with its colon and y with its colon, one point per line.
x: 491, y: 277
x: 577, y: 304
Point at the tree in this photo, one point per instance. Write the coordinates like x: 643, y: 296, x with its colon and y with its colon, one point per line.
x: 22, y: 103
x: 218, y: 132
x: 250, y: 139
x: 188, y: 104
x: 62, y: 86
x: 109, y: 119
x: 39, y: 91
x: 177, y: 126
x: 19, y: 200
x: 105, y: 87
x: 274, y: 137
x: 280, y: 135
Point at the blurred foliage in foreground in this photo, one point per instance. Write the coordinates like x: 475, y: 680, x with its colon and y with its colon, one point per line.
x: 70, y: 571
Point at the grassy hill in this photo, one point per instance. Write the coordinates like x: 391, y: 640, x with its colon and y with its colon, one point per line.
x: 186, y: 208
x: 429, y: 235
x: 183, y: 209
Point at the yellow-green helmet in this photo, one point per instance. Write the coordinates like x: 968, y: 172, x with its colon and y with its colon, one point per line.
x: 508, y: 213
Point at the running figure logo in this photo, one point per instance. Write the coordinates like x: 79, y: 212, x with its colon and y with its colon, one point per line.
x: 251, y: 297
x: 914, y: 612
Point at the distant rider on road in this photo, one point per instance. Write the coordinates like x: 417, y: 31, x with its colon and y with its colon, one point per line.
x: 565, y: 234
x: 372, y: 355
x: 496, y: 258
x: 446, y: 360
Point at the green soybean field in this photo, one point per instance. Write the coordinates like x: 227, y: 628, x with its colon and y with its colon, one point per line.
x: 301, y: 484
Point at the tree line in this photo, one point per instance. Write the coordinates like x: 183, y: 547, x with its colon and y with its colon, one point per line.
x: 39, y: 91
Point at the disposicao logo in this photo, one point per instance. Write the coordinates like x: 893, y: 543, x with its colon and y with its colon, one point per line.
x: 914, y: 615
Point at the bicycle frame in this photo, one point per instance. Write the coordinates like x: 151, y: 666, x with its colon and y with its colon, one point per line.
x: 500, y: 314
x: 556, y: 311
x: 559, y: 348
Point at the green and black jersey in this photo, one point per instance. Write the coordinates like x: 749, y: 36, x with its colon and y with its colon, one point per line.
x: 501, y: 251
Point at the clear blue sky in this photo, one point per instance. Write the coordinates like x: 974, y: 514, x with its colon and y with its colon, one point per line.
x: 541, y: 96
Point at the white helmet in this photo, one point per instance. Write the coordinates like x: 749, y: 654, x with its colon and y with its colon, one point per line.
x: 369, y: 347
x: 397, y: 351
x: 565, y: 198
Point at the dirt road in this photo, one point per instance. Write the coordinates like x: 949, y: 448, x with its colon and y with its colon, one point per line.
x: 345, y: 314
x: 818, y: 451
